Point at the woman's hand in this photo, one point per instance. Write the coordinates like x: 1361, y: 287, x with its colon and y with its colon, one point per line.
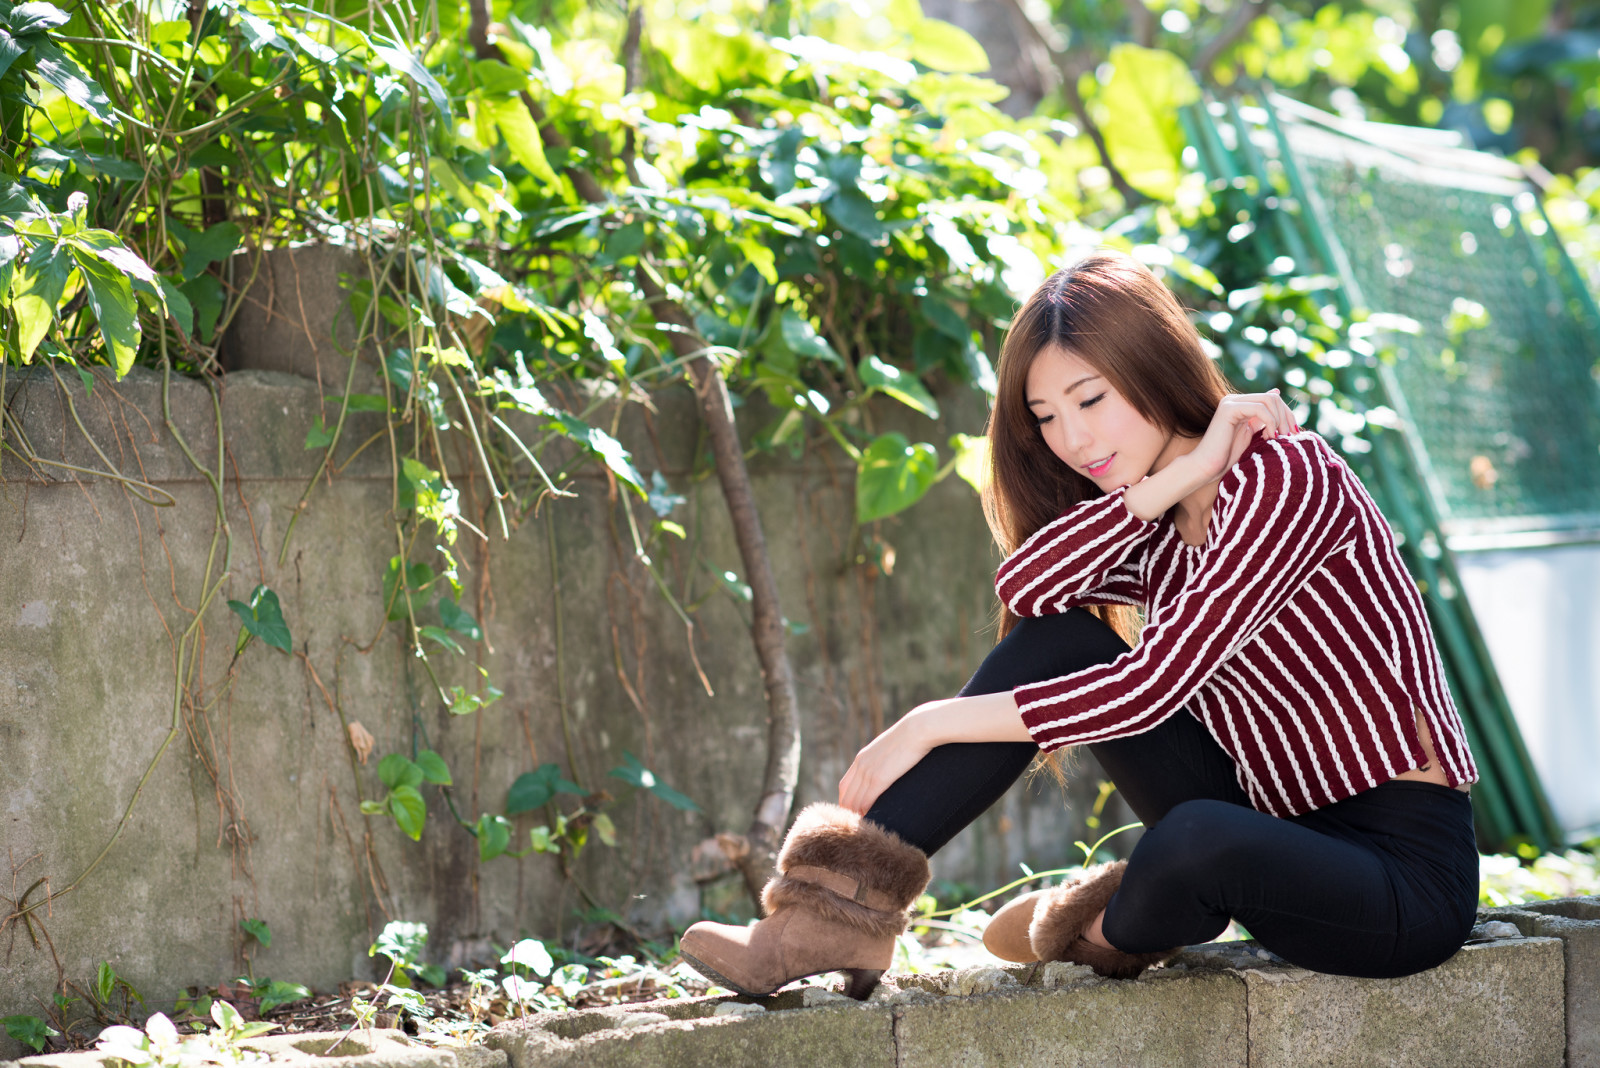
x: 989, y: 717
x: 1239, y: 417
x: 883, y: 760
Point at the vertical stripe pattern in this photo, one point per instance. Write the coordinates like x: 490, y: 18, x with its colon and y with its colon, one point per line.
x: 1294, y: 633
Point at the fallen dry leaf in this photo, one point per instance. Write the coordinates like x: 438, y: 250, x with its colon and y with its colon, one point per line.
x: 361, y: 740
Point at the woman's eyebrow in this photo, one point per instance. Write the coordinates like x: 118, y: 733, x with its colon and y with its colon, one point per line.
x: 1068, y: 390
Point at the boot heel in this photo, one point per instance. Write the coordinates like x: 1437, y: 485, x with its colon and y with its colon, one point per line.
x: 861, y: 982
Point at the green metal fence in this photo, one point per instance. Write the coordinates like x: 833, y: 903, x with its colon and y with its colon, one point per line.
x: 1490, y: 438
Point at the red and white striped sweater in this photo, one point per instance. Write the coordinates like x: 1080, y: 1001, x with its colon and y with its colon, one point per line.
x: 1294, y: 633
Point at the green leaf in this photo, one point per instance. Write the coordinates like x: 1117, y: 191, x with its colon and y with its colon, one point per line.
x: 632, y: 771
x: 893, y: 475
x: 802, y: 338
x: 760, y: 257
x: 362, y: 402
x: 532, y: 954
x: 855, y: 212
x: 35, y: 17
x: 36, y: 291
x: 972, y: 459
x: 217, y: 243
x: 1148, y: 87
x: 400, y: 601
x: 258, y: 930
x: 275, y: 992
x: 396, y: 771
x: 903, y: 386
x: 401, y: 942
x: 10, y: 52
x: 603, y: 445
x: 941, y: 46
x: 29, y: 1030
x: 535, y: 788
x: 405, y: 63
x: 263, y: 617
x: 410, y: 811
x: 319, y: 436
x: 433, y: 767
x: 205, y: 296
x: 605, y: 828
x: 115, y: 309
x: 105, y: 981
x: 542, y: 841
x: 177, y: 305
x: 494, y: 836
x: 63, y: 72
x: 440, y: 635
x: 521, y: 136
x: 372, y: 808
x: 459, y: 620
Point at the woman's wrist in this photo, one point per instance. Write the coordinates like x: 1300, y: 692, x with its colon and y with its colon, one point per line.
x: 1155, y: 496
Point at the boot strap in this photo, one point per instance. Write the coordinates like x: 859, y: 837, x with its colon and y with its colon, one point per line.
x: 846, y: 887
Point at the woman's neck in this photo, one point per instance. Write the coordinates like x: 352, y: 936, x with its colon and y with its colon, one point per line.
x: 1193, y: 512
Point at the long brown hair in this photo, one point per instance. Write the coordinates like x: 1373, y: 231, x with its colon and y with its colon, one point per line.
x: 1112, y: 313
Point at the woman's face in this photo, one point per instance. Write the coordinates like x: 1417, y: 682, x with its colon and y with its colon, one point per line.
x: 1089, y: 426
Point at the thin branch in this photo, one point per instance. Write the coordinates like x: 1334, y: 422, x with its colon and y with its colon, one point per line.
x: 1239, y: 19
x: 1142, y: 21
x: 1069, y: 66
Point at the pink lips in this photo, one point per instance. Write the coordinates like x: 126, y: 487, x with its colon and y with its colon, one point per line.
x: 1100, y: 467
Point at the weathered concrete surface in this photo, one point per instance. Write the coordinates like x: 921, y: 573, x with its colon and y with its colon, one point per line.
x: 1161, y: 1020
x: 253, y: 810
x: 378, y: 1048
x: 846, y: 1035
x: 1497, y: 1006
x: 1576, y: 921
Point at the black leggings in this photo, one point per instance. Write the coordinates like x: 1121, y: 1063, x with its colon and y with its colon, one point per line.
x: 1382, y: 884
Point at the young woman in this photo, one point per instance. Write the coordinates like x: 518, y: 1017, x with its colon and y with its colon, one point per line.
x: 1281, y: 724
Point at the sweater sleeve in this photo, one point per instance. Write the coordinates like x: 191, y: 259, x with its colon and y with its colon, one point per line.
x: 1089, y: 555
x: 1280, y: 513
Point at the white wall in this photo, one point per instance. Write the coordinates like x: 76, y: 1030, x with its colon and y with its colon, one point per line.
x: 1539, y: 610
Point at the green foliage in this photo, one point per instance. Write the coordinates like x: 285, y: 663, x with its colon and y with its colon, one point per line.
x: 257, y: 930
x: 29, y: 1030
x: 270, y: 993
x: 632, y: 771
x: 262, y: 617
x: 403, y: 944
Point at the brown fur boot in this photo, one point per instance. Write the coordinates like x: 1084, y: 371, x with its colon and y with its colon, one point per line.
x: 1049, y: 925
x: 1066, y: 912
x: 841, y: 897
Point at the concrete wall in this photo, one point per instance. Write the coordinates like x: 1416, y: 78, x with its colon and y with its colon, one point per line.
x: 253, y: 810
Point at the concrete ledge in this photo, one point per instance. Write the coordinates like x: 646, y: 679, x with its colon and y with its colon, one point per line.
x: 1493, y: 1005
x: 1498, y: 1004
x: 378, y: 1048
x: 1576, y: 922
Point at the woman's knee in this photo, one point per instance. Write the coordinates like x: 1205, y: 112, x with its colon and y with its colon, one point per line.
x: 1046, y: 647
x: 1193, y: 839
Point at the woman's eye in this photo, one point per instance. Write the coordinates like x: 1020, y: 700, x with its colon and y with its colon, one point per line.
x: 1092, y: 401
x: 1043, y: 420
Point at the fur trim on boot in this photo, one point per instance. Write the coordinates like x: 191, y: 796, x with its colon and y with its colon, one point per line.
x: 842, y: 896
x: 837, y: 840
x: 1066, y: 911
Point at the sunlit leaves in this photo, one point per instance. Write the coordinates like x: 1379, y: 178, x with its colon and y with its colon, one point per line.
x: 893, y: 474
x: 903, y: 386
x: 1141, y: 101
